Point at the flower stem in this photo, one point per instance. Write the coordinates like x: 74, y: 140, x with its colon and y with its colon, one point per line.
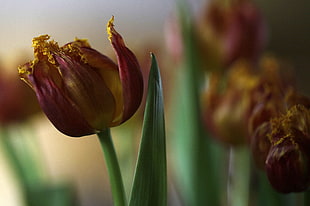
x: 238, y: 180
x: 8, y: 149
x: 115, y: 176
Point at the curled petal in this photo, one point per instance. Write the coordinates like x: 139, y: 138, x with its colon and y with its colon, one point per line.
x: 109, y: 72
x: 129, y: 71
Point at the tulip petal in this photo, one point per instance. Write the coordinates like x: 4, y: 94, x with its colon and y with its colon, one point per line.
x: 129, y: 71
x: 87, y: 90
x: 58, y: 108
x: 109, y: 72
x: 287, y: 163
x: 287, y: 167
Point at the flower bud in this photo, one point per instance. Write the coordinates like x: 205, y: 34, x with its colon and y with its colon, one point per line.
x: 17, y: 102
x: 288, y: 163
x: 293, y: 98
x: 81, y: 90
x: 269, y: 106
x: 270, y: 93
x: 260, y: 144
x: 230, y: 32
x: 287, y: 167
x: 227, y: 109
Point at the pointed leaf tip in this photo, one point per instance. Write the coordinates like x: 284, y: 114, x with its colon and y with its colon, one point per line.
x: 150, y: 182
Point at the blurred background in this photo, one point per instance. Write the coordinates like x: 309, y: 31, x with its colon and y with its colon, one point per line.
x: 79, y: 162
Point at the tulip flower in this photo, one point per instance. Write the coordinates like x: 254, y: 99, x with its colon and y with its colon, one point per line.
x: 235, y: 105
x: 82, y: 91
x: 228, y: 32
x: 17, y: 102
x: 227, y: 109
x: 288, y: 161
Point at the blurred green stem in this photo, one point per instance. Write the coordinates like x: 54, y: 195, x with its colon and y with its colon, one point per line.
x: 8, y: 148
x: 114, y: 171
x: 20, y: 148
x: 238, y: 177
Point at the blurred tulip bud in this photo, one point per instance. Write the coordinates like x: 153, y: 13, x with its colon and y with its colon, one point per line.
x: 288, y: 161
x: 260, y: 144
x: 287, y: 167
x: 265, y: 110
x: 270, y: 93
x: 235, y: 105
x: 227, y: 108
x: 17, y: 102
x: 293, y: 98
x: 270, y: 106
x: 81, y: 90
x: 227, y: 33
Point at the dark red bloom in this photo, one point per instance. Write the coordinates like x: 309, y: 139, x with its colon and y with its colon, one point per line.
x: 288, y: 161
x: 81, y: 90
x: 228, y: 32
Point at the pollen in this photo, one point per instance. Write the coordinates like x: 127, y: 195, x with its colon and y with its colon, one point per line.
x: 23, y: 71
x: 43, y: 47
x: 285, y: 126
x: 73, y: 48
x: 110, y: 29
x: 81, y: 42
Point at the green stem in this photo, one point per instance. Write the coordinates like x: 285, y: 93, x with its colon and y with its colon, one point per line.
x: 7, y: 147
x: 114, y: 171
x: 239, y: 175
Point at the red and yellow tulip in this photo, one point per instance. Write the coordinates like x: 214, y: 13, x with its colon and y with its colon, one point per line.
x: 81, y: 90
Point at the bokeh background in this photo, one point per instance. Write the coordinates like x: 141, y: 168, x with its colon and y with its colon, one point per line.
x: 142, y: 24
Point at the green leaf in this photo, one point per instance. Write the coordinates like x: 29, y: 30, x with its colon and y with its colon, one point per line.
x: 150, y: 181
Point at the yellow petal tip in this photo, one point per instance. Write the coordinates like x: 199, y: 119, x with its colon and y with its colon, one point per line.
x: 110, y: 28
x: 23, y: 71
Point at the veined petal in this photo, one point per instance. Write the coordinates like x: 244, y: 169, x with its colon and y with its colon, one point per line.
x: 55, y: 103
x: 63, y: 72
x: 109, y: 72
x: 87, y: 90
x: 129, y: 71
x: 287, y: 167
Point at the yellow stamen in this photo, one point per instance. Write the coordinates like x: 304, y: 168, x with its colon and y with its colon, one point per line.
x: 45, y: 48
x: 81, y: 42
x: 36, y: 41
x: 110, y: 28
x: 284, y: 126
x: 22, y: 70
x: 74, y: 48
